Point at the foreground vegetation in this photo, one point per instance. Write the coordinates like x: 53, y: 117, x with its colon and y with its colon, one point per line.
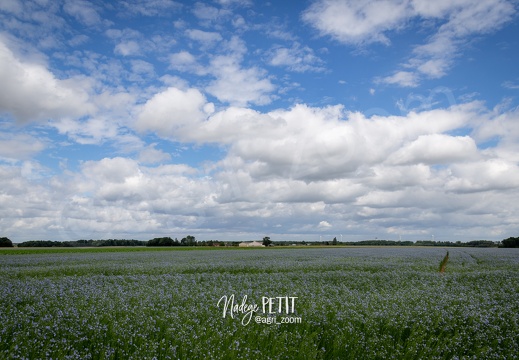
x: 353, y: 303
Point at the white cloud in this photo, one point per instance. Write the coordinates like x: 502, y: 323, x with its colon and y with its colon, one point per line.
x: 209, y: 13
x: 402, y: 78
x: 83, y: 11
x: 131, y: 42
x: 172, y: 113
x: 128, y: 48
x: 31, y: 92
x: 363, y: 22
x: 151, y: 7
x: 297, y: 58
x: 357, y: 22
x: 239, y: 86
x: 487, y: 175
x: 231, y: 82
x: 324, y: 225
x: 141, y: 70
x: 207, y: 38
x: 12, y: 6
x: 436, y: 149
x: 15, y: 147
x: 150, y: 155
x: 185, y: 61
x: 234, y: 2
x: 510, y: 85
x: 362, y: 175
x: 91, y: 131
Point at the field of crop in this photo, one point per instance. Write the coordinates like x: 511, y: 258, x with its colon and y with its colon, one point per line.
x: 344, y: 303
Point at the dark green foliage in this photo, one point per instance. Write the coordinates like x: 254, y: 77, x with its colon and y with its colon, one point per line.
x: 45, y: 243
x: 381, y: 243
x: 5, y: 242
x: 162, y: 241
x: 81, y: 243
x: 511, y: 242
x: 188, y: 241
x: 267, y: 241
x: 480, y: 243
x: 113, y: 242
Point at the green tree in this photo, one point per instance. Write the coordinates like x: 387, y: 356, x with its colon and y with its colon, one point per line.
x: 267, y: 241
x: 334, y: 242
x: 511, y: 242
x: 163, y: 241
x: 5, y: 242
x: 188, y: 241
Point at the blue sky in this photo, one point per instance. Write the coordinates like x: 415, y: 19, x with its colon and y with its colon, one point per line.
x: 238, y: 119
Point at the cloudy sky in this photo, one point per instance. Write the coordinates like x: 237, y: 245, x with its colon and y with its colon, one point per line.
x: 239, y: 119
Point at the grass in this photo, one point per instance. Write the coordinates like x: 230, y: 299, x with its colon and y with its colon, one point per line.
x: 354, y: 303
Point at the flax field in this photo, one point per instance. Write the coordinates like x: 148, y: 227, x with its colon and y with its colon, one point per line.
x: 349, y: 303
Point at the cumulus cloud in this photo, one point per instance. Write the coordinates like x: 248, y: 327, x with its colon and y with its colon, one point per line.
x: 487, y: 175
x: 436, y: 149
x: 172, y: 112
x: 14, y: 147
x: 239, y: 86
x: 334, y: 144
x: 324, y: 225
x: 31, y: 92
x: 359, y: 173
x: 356, y: 21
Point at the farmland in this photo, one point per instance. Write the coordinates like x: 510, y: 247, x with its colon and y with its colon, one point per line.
x: 349, y: 303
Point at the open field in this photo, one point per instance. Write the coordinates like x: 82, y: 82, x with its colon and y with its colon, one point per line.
x: 347, y: 303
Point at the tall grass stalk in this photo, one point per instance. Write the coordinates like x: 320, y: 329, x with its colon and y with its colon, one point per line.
x: 443, y: 264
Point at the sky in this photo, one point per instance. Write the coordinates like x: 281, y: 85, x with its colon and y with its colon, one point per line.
x: 240, y: 119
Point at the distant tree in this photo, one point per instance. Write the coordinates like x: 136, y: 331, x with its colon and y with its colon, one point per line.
x: 511, y: 242
x: 42, y: 243
x: 188, y: 241
x: 267, y: 241
x: 334, y: 242
x: 5, y: 242
x: 480, y: 243
x: 163, y: 241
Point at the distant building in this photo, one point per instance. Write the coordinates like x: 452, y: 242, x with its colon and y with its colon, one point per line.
x: 250, y: 244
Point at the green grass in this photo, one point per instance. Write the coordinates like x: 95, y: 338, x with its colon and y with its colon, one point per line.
x: 103, y: 249
x: 354, y: 303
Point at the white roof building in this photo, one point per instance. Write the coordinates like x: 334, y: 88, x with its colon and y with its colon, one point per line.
x: 250, y: 244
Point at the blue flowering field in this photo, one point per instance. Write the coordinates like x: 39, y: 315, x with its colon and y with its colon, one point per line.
x: 279, y: 303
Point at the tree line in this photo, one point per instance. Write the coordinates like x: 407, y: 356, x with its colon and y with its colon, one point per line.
x: 82, y: 243
x: 473, y: 243
x: 511, y: 242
